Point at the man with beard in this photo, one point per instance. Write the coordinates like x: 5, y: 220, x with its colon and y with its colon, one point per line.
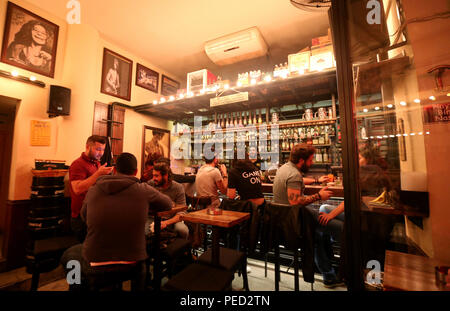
x: 162, y: 181
x: 289, y: 183
x: 83, y: 173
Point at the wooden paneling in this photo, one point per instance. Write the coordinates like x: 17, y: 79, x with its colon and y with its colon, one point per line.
x: 100, y: 126
x: 109, y: 122
x: 117, y: 125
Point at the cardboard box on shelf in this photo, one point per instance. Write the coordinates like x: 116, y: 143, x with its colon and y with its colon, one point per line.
x: 299, y: 62
x: 199, y: 80
x: 322, y: 58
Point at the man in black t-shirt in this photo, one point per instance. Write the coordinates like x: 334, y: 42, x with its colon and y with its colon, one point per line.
x: 245, y: 179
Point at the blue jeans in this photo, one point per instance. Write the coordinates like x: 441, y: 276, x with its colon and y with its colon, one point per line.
x: 325, y: 236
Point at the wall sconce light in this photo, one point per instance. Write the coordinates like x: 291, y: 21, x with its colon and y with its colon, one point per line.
x: 14, y: 75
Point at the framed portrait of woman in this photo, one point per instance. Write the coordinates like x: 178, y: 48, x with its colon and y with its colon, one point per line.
x: 116, y: 75
x: 155, y: 143
x: 29, y: 41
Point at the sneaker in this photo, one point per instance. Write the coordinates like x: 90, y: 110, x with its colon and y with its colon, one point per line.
x: 249, y: 269
x: 333, y: 283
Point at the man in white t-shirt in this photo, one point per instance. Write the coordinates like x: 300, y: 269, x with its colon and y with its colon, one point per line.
x: 210, y: 178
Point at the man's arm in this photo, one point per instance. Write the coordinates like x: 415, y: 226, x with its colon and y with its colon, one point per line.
x: 81, y: 186
x: 295, y: 196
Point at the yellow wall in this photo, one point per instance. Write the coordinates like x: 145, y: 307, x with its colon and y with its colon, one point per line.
x: 78, y: 67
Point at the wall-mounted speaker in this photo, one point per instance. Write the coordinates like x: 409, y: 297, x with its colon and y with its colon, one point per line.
x: 59, y: 101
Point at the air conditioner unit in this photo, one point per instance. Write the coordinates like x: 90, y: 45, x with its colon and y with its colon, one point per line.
x: 242, y: 45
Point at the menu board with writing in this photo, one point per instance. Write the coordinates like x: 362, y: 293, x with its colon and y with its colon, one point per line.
x: 40, y: 133
x: 436, y: 113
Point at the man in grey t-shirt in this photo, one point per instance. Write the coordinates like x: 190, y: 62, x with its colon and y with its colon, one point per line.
x: 163, y: 182
x: 209, y: 179
x: 289, y: 183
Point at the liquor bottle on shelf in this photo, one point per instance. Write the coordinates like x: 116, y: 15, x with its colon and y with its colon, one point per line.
x: 326, y: 157
x: 260, y: 117
x: 227, y: 123
x: 254, y: 119
x: 319, y: 156
x: 236, y: 121
x: 240, y: 119
x: 291, y: 144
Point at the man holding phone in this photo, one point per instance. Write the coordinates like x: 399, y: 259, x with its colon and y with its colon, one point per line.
x: 83, y: 173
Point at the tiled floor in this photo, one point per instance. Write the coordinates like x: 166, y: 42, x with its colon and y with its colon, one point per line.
x: 256, y: 279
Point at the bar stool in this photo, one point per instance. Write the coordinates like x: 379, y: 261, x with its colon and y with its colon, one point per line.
x: 284, y: 224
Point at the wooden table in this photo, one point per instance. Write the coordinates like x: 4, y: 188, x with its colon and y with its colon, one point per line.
x: 411, y: 272
x: 227, y: 219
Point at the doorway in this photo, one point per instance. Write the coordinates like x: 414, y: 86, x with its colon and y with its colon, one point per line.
x: 7, y: 116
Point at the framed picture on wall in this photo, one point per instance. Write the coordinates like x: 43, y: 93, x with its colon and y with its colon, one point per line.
x: 29, y: 41
x: 147, y: 78
x: 116, y: 75
x: 169, y: 86
x: 155, y: 142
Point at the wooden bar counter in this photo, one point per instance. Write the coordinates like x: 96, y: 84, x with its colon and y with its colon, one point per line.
x: 338, y: 191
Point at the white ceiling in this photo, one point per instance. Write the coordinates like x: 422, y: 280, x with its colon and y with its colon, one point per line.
x: 171, y: 33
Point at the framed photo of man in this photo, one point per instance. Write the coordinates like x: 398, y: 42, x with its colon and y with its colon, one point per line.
x: 29, y: 41
x: 147, y: 78
x: 116, y: 75
x: 169, y: 86
x: 155, y: 143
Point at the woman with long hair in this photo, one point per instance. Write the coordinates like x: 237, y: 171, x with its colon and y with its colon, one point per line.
x: 30, y: 46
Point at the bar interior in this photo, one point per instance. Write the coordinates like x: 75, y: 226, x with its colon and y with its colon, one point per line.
x: 298, y: 146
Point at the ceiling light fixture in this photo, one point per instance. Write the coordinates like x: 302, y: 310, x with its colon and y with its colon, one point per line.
x: 366, y: 110
x: 377, y: 108
x: 403, y: 103
x: 432, y: 97
x: 417, y: 101
x: 390, y: 105
x: 155, y: 102
x: 15, y: 73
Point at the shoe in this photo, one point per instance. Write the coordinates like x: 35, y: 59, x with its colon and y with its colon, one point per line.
x: 249, y: 269
x: 333, y: 283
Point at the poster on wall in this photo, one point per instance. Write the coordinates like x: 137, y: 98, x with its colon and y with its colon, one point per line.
x: 155, y: 143
x: 29, y: 41
x: 436, y: 113
x: 169, y: 86
x: 116, y: 75
x: 40, y: 133
x: 147, y: 78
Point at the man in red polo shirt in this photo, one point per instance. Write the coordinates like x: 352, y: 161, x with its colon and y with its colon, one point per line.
x: 83, y: 173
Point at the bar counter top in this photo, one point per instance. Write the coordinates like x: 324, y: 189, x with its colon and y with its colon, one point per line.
x: 338, y: 191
